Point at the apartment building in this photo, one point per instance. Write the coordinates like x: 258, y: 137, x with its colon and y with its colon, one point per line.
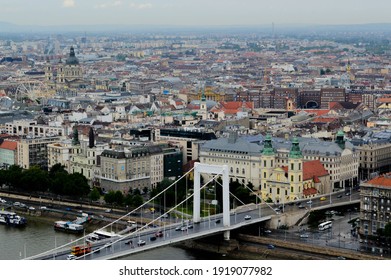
x: 32, y: 128
x: 375, y: 205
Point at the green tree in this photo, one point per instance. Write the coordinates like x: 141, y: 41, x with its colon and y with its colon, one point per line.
x: 137, y: 201
x: 94, y: 195
x: 57, y: 168
x: 76, y: 185
x: 110, y: 197
x: 14, y: 175
x: 34, y: 179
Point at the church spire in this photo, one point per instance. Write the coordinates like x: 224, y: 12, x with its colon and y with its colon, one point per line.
x: 340, y: 139
x: 295, y: 149
x: 75, y: 139
x: 91, y: 138
x: 267, y: 146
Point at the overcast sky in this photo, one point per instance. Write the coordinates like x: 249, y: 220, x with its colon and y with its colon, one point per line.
x: 194, y: 12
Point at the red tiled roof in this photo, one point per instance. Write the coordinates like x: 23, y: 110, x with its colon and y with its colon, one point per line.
x: 9, y: 145
x: 310, y: 191
x: 384, y: 100
x: 384, y: 181
x: 312, y: 169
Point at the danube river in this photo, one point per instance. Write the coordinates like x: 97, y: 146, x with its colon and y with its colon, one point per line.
x: 39, y: 236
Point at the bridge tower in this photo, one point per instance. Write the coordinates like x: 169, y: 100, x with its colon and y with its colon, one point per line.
x: 211, y: 169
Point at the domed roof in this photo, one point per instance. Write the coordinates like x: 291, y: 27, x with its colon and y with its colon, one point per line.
x: 72, y: 60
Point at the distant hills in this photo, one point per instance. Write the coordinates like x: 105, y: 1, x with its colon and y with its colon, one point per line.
x: 7, y: 28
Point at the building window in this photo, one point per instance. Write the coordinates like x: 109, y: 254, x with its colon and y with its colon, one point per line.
x: 291, y: 178
x: 291, y: 166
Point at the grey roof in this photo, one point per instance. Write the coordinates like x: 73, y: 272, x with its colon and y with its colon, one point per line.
x: 253, y: 145
x: 240, y: 146
x: 9, y: 116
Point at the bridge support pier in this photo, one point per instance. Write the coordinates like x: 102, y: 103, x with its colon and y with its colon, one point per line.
x: 227, y: 235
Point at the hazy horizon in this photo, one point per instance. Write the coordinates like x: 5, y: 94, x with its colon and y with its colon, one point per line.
x: 190, y: 13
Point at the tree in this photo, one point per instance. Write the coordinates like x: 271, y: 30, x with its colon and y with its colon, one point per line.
x: 57, y: 168
x: 14, y: 175
x: 137, y: 201
x: 77, y: 185
x: 34, y: 179
x: 94, y: 195
x: 114, y: 197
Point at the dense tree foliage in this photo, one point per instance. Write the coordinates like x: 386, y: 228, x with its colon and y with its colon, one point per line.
x: 34, y: 179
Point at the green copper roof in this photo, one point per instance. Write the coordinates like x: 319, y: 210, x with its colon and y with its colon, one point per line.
x: 340, y: 139
x: 267, y: 146
x: 203, y: 97
x: 295, y: 149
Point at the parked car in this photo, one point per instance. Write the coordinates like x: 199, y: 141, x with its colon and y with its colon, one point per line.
x: 271, y: 246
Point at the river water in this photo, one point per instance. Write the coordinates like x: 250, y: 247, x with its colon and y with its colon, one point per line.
x: 39, y: 236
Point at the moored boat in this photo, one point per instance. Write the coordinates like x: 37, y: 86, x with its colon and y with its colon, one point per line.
x: 12, y: 219
x: 68, y: 226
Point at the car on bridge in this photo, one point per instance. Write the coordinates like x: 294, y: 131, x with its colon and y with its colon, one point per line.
x: 159, y: 233
x: 271, y: 246
x: 71, y: 257
x: 247, y: 217
x: 323, y: 198
x: 141, y: 242
x: 304, y: 235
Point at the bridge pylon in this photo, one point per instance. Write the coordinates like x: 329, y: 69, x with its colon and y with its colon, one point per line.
x: 211, y: 169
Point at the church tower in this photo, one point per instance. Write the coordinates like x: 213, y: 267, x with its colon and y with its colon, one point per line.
x: 295, y: 172
x: 203, y: 108
x: 268, y: 161
x: 340, y: 139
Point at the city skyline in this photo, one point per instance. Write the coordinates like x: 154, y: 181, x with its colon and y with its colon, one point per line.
x: 193, y: 13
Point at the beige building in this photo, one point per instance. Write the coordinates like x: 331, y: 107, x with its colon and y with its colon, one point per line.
x: 243, y: 158
x: 59, y: 153
x: 34, y: 151
x: 32, y: 128
x: 374, y: 157
x: 126, y: 169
